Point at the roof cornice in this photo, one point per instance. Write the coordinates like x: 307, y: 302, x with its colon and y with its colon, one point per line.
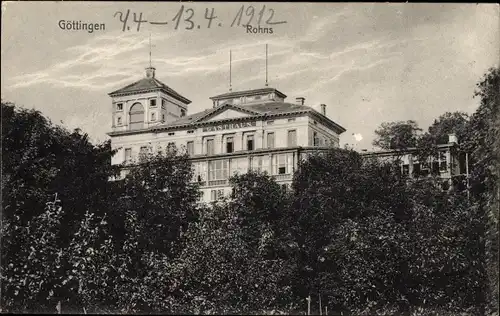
x: 177, y: 97
x: 192, y: 125
x: 403, y: 151
x: 247, y: 92
x: 326, y: 121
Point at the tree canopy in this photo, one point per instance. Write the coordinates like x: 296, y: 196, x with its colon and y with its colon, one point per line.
x: 397, y: 135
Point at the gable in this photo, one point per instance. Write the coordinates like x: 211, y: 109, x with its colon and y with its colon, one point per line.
x: 227, y: 114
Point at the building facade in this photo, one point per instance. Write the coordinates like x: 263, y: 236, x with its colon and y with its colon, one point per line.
x: 243, y: 130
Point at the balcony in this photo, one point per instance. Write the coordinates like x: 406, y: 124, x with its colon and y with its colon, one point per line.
x: 217, y: 182
x: 212, y: 183
x: 282, y: 177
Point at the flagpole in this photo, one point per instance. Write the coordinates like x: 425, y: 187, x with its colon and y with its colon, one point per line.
x: 266, y: 67
x: 149, y: 50
x: 230, y: 78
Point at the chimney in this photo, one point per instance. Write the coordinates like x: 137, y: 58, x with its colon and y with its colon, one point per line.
x: 150, y: 72
x: 300, y: 100
x: 323, y: 109
x: 452, y: 139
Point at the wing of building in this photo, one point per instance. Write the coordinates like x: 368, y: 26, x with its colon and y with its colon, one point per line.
x: 242, y: 130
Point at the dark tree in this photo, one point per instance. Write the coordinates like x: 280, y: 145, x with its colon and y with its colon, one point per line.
x: 397, y: 135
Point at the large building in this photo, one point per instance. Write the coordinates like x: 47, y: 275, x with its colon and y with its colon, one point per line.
x: 243, y: 130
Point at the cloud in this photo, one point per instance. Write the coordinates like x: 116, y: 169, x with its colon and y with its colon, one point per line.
x: 110, y: 60
x: 93, y: 65
x: 358, y: 137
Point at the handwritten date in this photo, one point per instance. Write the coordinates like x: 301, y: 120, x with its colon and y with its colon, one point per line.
x: 187, y: 18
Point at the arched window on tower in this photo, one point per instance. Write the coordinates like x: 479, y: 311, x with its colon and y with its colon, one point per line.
x: 136, y: 116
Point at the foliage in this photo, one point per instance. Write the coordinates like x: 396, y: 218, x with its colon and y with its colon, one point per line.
x: 484, y: 145
x: 160, y: 193
x: 368, y: 236
x: 40, y: 159
x: 438, y: 133
x: 30, y: 277
x: 346, y: 223
x: 91, y: 273
x: 397, y: 135
x: 445, y: 258
x: 231, y: 263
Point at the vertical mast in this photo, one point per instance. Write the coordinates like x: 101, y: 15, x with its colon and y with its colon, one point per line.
x: 149, y: 50
x: 230, y: 79
x: 266, y: 66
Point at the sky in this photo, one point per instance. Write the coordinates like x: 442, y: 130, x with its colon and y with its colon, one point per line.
x: 368, y: 62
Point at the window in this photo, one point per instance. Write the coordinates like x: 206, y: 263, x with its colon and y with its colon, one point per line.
x: 128, y: 154
x: 210, y: 147
x: 119, y: 107
x: 119, y: 121
x: 284, y: 188
x: 218, y: 170
x: 406, y: 169
x: 153, y: 116
x: 435, y: 167
x: 171, y: 134
x: 416, y: 170
x: 250, y: 145
x: 291, y: 120
x: 190, y: 148
x: 163, y: 103
x: 315, y: 139
x: 136, y: 119
x: 183, y: 112
x: 292, y: 138
x: 199, y: 171
x: 443, y: 167
x: 170, y: 146
x: 190, y: 132
x: 216, y: 194
x: 256, y: 163
x: 201, y: 196
x: 143, y: 150
x: 265, y: 163
x: 270, y: 140
x: 270, y: 122
x: 220, y: 193
x: 152, y: 102
x: 258, y: 97
x: 282, y: 164
x: 425, y: 169
x: 229, y: 145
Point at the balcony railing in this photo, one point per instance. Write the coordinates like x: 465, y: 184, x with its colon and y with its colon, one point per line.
x: 217, y: 182
x: 281, y: 177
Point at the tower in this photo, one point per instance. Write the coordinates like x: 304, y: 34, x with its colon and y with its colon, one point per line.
x: 145, y: 103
